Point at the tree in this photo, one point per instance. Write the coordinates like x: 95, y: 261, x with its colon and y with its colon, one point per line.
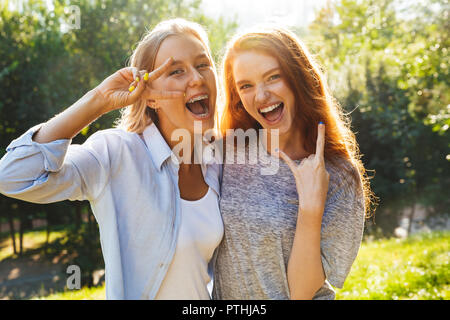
x: 387, y: 63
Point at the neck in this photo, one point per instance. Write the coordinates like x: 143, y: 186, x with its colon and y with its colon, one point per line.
x: 183, y: 144
x: 290, y: 143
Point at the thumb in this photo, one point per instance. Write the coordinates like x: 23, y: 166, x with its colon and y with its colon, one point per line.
x: 287, y: 159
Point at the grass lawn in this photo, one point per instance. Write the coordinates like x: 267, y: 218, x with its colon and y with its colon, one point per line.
x: 94, y: 293
x: 413, y: 268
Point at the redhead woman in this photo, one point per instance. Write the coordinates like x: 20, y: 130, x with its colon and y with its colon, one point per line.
x: 293, y: 234
x: 158, y: 216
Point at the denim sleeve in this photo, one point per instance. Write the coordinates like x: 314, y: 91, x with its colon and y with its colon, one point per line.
x: 53, y: 171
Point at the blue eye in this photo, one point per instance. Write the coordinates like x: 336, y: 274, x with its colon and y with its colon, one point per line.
x: 245, y: 86
x: 274, y: 77
x: 177, y: 71
x: 203, y: 65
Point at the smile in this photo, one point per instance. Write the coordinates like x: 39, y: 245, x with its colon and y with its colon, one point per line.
x: 272, y: 113
x: 199, y: 106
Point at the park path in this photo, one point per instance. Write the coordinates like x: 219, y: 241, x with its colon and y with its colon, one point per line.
x: 30, y: 276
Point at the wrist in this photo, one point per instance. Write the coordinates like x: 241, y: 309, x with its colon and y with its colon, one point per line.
x: 96, y: 101
x: 310, y: 218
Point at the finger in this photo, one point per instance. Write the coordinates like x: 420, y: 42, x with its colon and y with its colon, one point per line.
x: 138, y: 85
x: 155, y: 74
x: 141, y: 75
x: 303, y: 162
x: 144, y: 75
x: 320, y: 144
x: 163, y: 95
x: 133, y: 84
x: 288, y: 160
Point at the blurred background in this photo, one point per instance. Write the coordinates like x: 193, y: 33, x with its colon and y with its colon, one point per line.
x: 386, y: 61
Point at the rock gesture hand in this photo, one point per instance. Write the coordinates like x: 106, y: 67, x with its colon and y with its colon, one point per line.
x: 311, y: 179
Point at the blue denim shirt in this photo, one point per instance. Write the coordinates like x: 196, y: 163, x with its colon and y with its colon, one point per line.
x: 132, y: 186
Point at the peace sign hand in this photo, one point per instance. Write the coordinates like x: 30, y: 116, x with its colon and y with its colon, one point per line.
x: 311, y: 178
x: 127, y: 85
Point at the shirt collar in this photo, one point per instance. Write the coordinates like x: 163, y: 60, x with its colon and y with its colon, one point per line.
x: 160, y: 150
x: 158, y: 147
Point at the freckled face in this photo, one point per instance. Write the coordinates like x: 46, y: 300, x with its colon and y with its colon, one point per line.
x: 263, y: 90
x: 192, y: 73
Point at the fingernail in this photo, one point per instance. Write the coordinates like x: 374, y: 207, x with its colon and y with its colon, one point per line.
x: 146, y: 76
x: 320, y: 122
x: 137, y: 79
x: 131, y: 88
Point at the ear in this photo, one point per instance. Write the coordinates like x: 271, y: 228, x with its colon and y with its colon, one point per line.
x: 152, y: 104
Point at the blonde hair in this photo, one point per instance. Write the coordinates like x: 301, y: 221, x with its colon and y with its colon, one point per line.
x: 137, y: 116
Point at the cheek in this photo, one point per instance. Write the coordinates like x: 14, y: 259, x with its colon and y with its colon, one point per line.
x: 210, y: 79
x: 246, y: 101
x: 169, y: 84
x: 280, y: 89
x: 174, y: 107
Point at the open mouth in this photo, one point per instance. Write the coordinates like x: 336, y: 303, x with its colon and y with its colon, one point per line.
x: 272, y: 112
x: 199, y: 106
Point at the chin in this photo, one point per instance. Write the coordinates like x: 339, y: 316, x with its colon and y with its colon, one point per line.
x: 282, y: 128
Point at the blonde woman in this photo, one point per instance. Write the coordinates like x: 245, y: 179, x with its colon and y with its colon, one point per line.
x: 159, y: 219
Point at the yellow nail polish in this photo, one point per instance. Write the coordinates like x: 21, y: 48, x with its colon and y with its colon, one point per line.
x: 131, y: 88
x: 146, y: 76
x: 137, y: 79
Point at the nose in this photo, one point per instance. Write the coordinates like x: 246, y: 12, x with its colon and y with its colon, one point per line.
x: 262, y: 94
x: 196, y: 78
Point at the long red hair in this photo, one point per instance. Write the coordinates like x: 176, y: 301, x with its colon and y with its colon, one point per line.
x: 314, y: 102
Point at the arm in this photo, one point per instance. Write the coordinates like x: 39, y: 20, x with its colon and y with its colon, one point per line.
x: 305, y: 272
x: 120, y: 89
x: 328, y: 247
x: 40, y: 167
x: 114, y: 92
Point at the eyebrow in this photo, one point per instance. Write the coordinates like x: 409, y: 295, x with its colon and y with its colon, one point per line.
x: 201, y: 55
x: 264, y: 75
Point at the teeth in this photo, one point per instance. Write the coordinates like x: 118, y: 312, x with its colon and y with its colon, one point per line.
x: 270, y: 108
x: 203, y: 115
x: 205, y: 96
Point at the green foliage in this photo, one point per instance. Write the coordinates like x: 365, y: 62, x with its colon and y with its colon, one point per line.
x: 83, y: 244
x: 414, y: 268
x: 388, y: 65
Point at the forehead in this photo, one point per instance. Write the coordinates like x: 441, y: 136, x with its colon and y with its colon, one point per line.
x: 251, y: 64
x: 183, y: 47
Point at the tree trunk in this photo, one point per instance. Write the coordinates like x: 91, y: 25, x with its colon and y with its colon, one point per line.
x: 12, y: 231
x: 411, y: 217
x: 91, y: 220
x: 47, y: 229
x: 21, y: 235
x: 78, y: 207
